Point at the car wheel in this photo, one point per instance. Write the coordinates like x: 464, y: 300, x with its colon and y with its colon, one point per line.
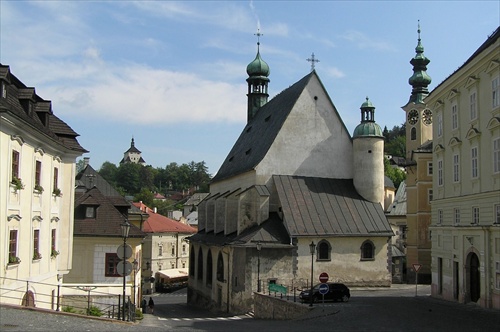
x: 345, y: 298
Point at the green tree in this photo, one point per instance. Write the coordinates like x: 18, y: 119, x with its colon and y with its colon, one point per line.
x: 128, y: 177
x: 80, y: 165
x: 395, y: 174
x: 146, y: 196
x: 396, y: 146
x: 108, y: 171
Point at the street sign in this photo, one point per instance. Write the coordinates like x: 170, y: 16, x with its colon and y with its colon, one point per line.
x: 417, y: 267
x: 323, y: 277
x: 277, y: 288
x: 120, y: 268
x: 127, y: 251
x: 323, y: 289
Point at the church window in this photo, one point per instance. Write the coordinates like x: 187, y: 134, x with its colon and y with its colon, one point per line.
x: 324, y: 251
x: 209, y: 268
x: 200, y: 264
x: 495, y: 87
x: 413, y: 134
x: 367, y: 251
x: 220, y: 268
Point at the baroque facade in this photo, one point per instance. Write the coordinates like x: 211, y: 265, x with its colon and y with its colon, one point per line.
x: 37, y: 176
x: 466, y: 180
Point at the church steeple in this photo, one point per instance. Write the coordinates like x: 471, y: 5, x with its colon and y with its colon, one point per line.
x: 258, y: 72
x: 420, y: 79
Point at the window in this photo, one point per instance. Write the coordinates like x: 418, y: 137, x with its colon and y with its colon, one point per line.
x: 160, y: 250
x: 474, y: 162
x: 475, y: 215
x: 220, y: 268
x: 430, y: 195
x: 13, y: 246
x: 495, y: 89
x: 456, y: 168
x: 440, y: 124
x: 472, y: 106
x: 191, y: 262
x: 209, y: 268
x: 440, y: 217
x: 172, y: 265
x: 367, y: 251
x: 15, y: 164
x: 53, y: 240
x: 456, y: 216
x: 497, y: 214
x: 183, y: 249
x: 496, y: 155
x: 413, y: 134
x: 429, y: 168
x: 454, y: 116
x: 38, y: 172
x: 90, y: 212
x: 324, y: 250
x: 173, y: 251
x: 56, y: 176
x: 497, y: 282
x: 111, y: 263
x: 440, y: 172
x: 200, y: 264
x: 36, y: 244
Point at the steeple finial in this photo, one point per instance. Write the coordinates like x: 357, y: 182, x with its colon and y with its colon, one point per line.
x: 313, y: 61
x: 258, y: 34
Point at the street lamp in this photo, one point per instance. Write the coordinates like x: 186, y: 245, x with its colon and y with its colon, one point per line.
x: 125, y: 229
x: 312, y: 247
x: 259, y: 246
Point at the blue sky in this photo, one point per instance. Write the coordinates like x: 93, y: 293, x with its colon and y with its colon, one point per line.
x: 172, y: 74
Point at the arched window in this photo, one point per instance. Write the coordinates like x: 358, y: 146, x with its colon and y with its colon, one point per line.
x: 191, y: 262
x: 220, y: 268
x: 209, y: 268
x: 200, y: 264
x: 324, y: 251
x: 367, y: 251
x: 413, y: 133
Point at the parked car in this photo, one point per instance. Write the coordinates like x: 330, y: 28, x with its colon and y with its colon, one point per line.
x: 336, y: 291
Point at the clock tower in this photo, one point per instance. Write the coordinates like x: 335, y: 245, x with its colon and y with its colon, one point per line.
x: 418, y: 170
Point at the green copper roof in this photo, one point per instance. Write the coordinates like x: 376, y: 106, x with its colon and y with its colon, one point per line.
x: 258, y: 67
x: 420, y: 79
x: 367, y: 127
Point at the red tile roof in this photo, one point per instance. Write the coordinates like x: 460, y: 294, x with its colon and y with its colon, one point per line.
x: 157, y: 223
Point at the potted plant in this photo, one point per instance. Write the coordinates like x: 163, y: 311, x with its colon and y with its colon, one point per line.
x: 54, y: 253
x: 57, y: 192
x: 14, y: 259
x: 17, y: 183
x: 38, y: 188
x: 37, y: 255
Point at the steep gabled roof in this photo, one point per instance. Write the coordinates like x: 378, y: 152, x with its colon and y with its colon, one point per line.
x: 157, y: 223
x: 259, y: 134
x: 315, y: 206
x: 89, y: 177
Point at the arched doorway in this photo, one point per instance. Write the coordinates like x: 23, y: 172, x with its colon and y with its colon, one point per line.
x: 28, y: 299
x: 473, y: 277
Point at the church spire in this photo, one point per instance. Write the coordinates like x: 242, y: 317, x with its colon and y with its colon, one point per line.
x: 258, y: 72
x: 420, y: 79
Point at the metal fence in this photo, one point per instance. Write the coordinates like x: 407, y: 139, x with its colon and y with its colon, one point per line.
x: 91, y: 302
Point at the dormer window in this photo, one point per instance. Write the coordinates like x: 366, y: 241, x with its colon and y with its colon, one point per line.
x: 90, y: 212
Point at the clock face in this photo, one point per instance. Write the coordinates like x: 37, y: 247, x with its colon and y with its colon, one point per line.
x: 413, y: 117
x: 427, y: 116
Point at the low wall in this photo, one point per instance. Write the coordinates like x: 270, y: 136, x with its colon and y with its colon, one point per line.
x: 269, y: 307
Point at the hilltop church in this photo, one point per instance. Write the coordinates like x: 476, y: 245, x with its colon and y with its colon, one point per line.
x: 297, y: 195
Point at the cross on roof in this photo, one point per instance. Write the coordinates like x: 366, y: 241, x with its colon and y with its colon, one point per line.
x: 258, y: 34
x: 312, y: 60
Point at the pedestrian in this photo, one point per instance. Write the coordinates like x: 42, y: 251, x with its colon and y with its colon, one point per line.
x: 144, y: 305
x: 151, y: 305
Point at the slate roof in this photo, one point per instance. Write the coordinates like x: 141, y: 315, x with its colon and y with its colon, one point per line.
x: 89, y: 177
x: 260, y: 132
x: 53, y: 128
x: 157, y: 223
x: 398, y: 207
x: 107, y: 220
x: 315, y: 206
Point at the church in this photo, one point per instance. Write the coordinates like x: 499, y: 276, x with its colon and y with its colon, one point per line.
x: 296, y: 196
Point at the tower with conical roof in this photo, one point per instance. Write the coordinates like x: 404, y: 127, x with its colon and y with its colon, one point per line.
x: 258, y: 72
x: 368, y: 153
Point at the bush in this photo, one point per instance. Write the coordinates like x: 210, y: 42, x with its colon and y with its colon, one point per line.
x: 94, y: 311
x: 138, y: 314
x: 69, y: 309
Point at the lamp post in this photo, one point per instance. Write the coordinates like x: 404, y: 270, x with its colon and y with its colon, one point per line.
x: 259, y: 246
x: 125, y: 229
x: 312, y: 247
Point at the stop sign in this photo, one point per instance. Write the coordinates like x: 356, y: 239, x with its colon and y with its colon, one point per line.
x: 323, y: 277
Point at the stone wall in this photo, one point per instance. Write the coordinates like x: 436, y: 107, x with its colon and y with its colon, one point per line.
x: 269, y: 307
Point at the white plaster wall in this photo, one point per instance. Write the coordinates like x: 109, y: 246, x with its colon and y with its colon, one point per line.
x: 369, y: 168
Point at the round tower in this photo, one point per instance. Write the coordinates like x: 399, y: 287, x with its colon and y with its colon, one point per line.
x: 368, y: 152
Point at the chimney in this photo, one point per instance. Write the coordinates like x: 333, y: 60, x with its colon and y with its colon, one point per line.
x: 86, y: 161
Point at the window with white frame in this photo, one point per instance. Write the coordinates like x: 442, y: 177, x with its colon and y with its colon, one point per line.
x: 440, y: 217
x: 160, y: 250
x: 454, y: 116
x: 456, y: 168
x: 474, y: 162
x: 456, y: 216
x: 495, y: 89
x: 475, y: 214
x: 429, y: 168
x: 473, y: 105
x: 496, y: 213
x: 496, y: 155
x: 440, y: 124
x: 440, y: 172
x: 430, y: 195
x: 15, y: 164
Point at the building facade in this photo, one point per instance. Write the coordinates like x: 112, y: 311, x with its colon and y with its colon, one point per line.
x: 133, y: 155
x: 37, y: 176
x: 466, y: 180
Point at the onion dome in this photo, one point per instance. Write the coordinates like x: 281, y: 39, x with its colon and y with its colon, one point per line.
x: 258, y: 67
x: 420, y: 79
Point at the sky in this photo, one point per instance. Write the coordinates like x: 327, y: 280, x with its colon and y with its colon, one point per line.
x: 172, y: 75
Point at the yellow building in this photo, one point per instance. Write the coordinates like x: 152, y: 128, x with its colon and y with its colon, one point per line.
x: 466, y: 180
x: 37, y: 178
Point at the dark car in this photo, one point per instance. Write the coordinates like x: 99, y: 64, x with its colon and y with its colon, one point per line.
x: 335, y: 292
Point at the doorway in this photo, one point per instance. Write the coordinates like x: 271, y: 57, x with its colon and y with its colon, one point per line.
x: 473, y: 277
